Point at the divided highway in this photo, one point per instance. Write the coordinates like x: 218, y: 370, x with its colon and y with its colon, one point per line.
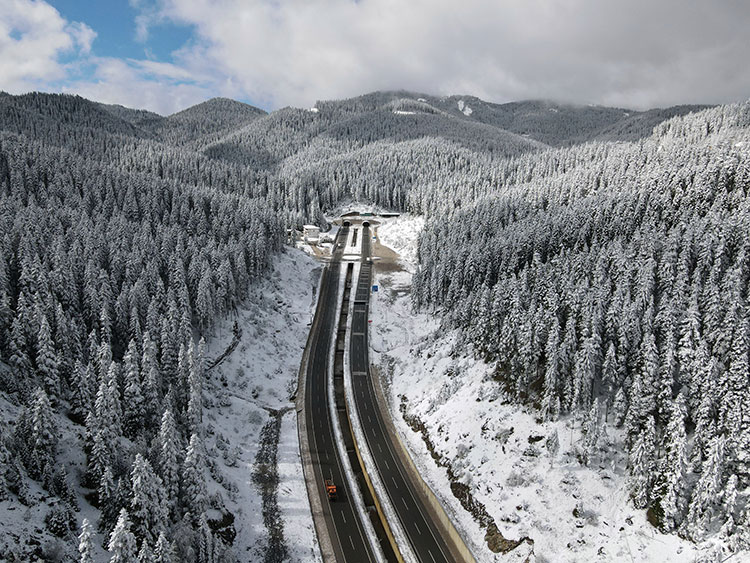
x: 423, y: 535
x: 346, y: 530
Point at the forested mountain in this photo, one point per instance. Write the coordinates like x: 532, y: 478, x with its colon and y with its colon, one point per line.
x: 611, y: 280
x: 605, y: 276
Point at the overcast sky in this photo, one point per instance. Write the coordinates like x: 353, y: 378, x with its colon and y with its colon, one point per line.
x: 169, y: 54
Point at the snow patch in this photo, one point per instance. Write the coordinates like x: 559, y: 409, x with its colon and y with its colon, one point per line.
x: 260, y: 376
x: 464, y: 108
x: 402, y: 112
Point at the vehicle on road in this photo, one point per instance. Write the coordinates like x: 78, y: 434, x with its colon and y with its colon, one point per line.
x: 331, y: 489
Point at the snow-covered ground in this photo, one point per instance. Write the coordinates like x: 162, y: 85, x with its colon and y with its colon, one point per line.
x: 570, y: 511
x: 253, y: 384
x: 25, y: 536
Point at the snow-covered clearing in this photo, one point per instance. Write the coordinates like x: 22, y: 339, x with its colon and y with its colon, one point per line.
x: 252, y: 384
x: 464, y: 108
x: 572, y: 512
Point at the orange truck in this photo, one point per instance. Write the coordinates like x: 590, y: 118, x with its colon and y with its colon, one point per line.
x: 330, y: 489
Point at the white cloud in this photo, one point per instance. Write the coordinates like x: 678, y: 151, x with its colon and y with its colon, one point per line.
x: 638, y: 53
x: 293, y: 52
x: 160, y: 87
x: 33, y: 38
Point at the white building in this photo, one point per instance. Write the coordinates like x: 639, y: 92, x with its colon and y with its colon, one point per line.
x: 311, y: 233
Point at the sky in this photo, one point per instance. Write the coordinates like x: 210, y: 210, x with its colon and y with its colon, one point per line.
x: 166, y: 55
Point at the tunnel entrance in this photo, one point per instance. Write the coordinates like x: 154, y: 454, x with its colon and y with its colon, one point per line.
x: 347, y: 224
x: 365, y: 223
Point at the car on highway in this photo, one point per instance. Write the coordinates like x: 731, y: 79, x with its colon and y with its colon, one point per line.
x: 331, y: 489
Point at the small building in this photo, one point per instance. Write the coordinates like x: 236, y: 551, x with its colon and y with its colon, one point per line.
x: 311, y: 233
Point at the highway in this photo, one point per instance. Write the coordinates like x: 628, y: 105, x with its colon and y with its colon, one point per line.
x: 346, y: 530
x: 426, y: 542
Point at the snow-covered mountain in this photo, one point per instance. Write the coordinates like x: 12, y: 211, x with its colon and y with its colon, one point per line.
x: 593, y: 256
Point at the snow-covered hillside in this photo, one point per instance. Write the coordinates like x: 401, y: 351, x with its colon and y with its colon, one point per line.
x: 250, y: 419
x: 462, y: 429
x: 256, y: 490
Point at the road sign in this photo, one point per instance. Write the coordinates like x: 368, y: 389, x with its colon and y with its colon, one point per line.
x: 374, y: 237
x: 374, y: 288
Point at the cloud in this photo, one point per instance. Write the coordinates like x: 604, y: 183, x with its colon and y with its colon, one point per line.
x: 160, y: 87
x: 637, y: 53
x: 293, y: 52
x: 33, y: 39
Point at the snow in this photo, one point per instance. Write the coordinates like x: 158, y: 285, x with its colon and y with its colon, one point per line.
x: 261, y: 375
x: 464, y: 108
x: 486, y: 441
x: 23, y: 526
x: 400, y: 234
x: 314, y: 110
x: 402, y: 112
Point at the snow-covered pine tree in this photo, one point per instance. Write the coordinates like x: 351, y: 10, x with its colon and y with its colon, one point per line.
x: 145, y: 554
x: 671, y: 481
x: 86, y: 543
x: 44, y: 434
x: 46, y: 361
x: 168, y: 460
x: 706, y: 491
x: 121, y: 543
x: 193, y: 485
x: 643, y: 464
x: 148, y: 505
x: 163, y: 552
x: 133, y: 401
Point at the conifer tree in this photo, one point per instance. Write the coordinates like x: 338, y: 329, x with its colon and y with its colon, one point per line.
x: 148, y: 507
x: 705, y: 493
x: 673, y: 471
x: 85, y: 543
x: 133, y: 401
x: 642, y: 464
x: 47, y: 364
x: 145, y: 555
x: 44, y: 433
x: 163, y: 552
x: 122, y: 544
x: 193, y: 483
x: 168, y: 459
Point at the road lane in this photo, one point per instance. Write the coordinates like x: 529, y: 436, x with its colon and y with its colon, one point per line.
x: 346, y: 530
x: 422, y: 532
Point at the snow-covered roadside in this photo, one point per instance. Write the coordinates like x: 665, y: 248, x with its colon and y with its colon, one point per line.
x: 258, y: 379
x: 572, y: 512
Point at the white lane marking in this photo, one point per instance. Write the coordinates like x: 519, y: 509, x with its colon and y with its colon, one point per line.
x: 404, y: 503
x: 343, y: 515
x: 395, y: 484
x: 431, y: 557
x: 418, y: 530
x: 386, y: 464
x: 352, y: 542
x: 379, y: 448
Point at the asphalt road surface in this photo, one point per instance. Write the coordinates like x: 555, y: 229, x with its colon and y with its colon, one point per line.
x: 347, y: 532
x: 425, y: 540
